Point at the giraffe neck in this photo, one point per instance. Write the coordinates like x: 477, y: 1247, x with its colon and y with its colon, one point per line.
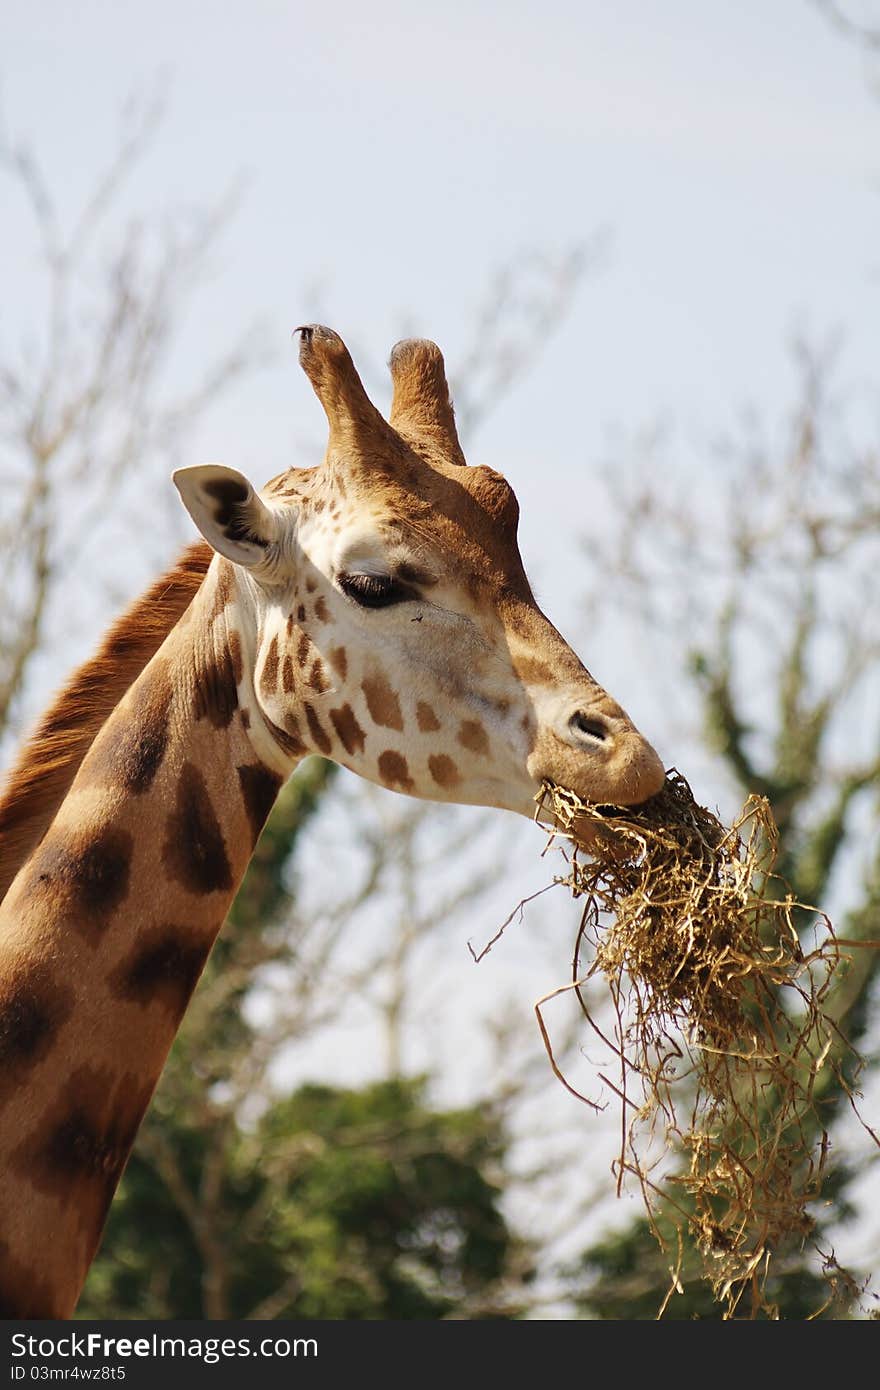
x: 103, y: 935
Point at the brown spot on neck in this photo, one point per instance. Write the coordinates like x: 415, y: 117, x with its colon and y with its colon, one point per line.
x: 90, y: 876
x: 259, y: 788
x: 33, y: 1006
x: 194, y: 851
x: 216, y: 694
x: 382, y: 703
x: 130, y: 752
x: 78, y: 1149
x: 269, y: 673
x: 338, y: 659
x: 163, y: 968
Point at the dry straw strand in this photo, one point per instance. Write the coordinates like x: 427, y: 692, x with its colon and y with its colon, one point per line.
x: 721, y: 1030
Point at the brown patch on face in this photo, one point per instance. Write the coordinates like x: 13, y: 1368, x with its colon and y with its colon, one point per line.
x: 394, y: 770
x: 318, y: 733
x: 93, y: 874
x: 79, y: 1148
x: 300, y: 615
x: 194, y: 852
x: 269, y: 674
x: 33, y: 1006
x: 311, y: 585
x: 426, y: 718
x: 131, y: 753
x: 348, y: 729
x: 321, y: 610
x: 288, y: 679
x: 164, y: 969
x: 443, y: 770
x: 259, y: 788
x: 338, y: 658
x: 245, y: 718
x: 532, y: 671
x: 382, y: 703
x: 303, y: 649
x: 472, y: 735
x: 317, y: 678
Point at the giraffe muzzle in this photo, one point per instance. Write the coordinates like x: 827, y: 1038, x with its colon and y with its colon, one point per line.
x: 598, y: 754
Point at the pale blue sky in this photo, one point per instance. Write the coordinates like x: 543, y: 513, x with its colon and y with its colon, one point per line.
x: 399, y: 152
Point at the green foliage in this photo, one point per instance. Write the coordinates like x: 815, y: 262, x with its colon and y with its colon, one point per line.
x: 362, y: 1204
x: 626, y: 1276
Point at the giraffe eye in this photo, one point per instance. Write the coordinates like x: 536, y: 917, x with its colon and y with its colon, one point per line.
x: 374, y: 590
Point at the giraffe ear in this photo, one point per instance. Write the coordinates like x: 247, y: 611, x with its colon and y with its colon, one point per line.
x: 233, y: 519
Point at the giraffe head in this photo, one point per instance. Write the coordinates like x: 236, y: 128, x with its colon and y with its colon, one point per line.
x: 383, y: 615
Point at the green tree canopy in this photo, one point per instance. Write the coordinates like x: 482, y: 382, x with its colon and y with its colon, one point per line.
x: 340, y: 1204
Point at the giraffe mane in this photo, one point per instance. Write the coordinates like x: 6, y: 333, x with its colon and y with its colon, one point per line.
x: 48, y: 761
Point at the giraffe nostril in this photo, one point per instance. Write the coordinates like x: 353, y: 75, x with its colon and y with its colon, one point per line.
x: 585, y: 726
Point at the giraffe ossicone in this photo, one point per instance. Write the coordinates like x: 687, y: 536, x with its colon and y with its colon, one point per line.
x: 373, y: 609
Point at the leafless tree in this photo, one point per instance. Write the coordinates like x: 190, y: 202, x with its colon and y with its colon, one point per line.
x: 85, y: 406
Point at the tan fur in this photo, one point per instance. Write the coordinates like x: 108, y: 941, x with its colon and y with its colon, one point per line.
x: 42, y: 774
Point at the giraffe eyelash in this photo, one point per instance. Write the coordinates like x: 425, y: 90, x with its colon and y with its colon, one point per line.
x: 374, y: 590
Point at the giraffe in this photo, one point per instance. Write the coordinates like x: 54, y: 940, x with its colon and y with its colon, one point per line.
x: 372, y: 609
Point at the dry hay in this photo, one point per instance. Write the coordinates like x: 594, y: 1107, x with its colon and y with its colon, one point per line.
x: 722, y: 1042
